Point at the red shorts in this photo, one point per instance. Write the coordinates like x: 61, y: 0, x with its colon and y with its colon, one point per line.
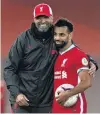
x: 79, y: 107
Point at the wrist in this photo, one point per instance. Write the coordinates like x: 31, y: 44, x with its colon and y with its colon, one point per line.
x: 68, y: 93
x: 18, y: 95
x: 14, y: 91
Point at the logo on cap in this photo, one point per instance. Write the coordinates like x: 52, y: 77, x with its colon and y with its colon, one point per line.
x: 41, y: 9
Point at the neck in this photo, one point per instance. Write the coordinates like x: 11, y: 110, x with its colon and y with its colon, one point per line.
x: 66, y: 47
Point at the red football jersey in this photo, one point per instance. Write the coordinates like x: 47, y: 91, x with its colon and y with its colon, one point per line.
x: 67, y: 67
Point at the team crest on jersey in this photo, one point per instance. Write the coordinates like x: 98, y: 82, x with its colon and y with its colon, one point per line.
x: 64, y: 62
x: 84, y: 61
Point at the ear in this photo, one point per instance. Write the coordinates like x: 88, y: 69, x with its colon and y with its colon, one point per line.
x: 70, y: 36
x: 34, y: 19
x: 51, y: 18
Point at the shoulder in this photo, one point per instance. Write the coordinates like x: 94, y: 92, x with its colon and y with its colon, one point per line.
x: 22, y: 35
x: 80, y: 53
x: 80, y: 57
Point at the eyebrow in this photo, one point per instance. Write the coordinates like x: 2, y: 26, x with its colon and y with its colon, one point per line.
x: 59, y: 33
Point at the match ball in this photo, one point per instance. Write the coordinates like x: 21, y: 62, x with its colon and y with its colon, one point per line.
x: 72, y: 100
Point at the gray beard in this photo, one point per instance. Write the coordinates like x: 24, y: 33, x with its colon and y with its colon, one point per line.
x: 43, y: 28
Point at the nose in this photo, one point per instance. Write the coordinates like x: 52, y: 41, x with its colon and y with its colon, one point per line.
x: 43, y: 20
x: 56, y: 37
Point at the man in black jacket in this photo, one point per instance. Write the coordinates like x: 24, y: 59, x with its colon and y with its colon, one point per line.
x: 28, y: 71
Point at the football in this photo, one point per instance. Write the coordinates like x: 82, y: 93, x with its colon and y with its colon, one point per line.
x: 72, y: 100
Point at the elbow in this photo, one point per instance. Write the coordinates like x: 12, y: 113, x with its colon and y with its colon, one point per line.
x: 89, y: 84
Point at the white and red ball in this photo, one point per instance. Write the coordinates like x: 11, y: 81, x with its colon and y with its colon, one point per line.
x: 72, y: 100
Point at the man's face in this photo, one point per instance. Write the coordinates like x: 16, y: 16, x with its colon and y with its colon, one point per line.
x: 61, y: 36
x: 43, y: 23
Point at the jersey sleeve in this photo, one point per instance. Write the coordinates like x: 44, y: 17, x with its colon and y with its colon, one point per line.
x: 82, y: 62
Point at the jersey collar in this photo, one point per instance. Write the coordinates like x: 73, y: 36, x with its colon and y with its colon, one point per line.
x: 72, y: 46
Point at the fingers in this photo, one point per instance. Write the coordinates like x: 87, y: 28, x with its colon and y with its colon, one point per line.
x: 92, y: 70
x: 22, y: 100
x: 23, y: 103
x: 58, y: 94
x: 60, y: 91
x: 26, y: 98
x: 60, y: 101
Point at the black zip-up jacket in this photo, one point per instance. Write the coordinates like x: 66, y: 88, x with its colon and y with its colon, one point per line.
x: 29, y: 67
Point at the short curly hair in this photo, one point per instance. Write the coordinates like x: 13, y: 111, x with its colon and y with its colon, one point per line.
x: 64, y: 22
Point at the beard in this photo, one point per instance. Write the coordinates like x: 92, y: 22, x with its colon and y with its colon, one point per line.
x: 43, y: 27
x: 61, y: 45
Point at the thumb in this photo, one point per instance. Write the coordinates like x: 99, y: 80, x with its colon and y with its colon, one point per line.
x: 26, y: 98
x: 59, y: 92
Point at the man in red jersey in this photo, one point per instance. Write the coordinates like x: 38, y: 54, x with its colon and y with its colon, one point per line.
x: 71, y: 67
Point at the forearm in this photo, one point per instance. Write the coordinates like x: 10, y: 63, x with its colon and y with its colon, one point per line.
x: 14, y: 91
x: 81, y: 87
x: 12, y: 82
x: 11, y: 78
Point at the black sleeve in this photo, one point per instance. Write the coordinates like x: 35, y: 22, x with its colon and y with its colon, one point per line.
x: 11, y: 67
x: 93, y: 61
